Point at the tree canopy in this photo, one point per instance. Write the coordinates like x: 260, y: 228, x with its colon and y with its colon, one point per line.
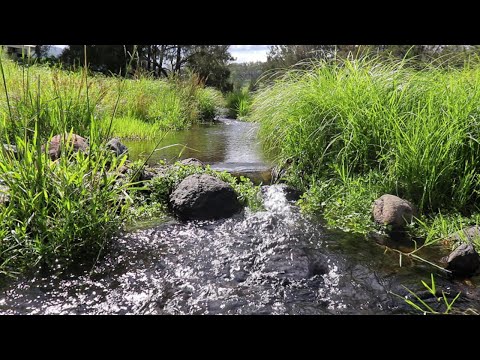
x: 209, y: 62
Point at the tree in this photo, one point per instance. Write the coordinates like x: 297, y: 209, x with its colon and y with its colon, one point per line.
x: 41, y: 51
x: 210, y: 63
x: 245, y: 74
x: 108, y: 59
x: 283, y: 56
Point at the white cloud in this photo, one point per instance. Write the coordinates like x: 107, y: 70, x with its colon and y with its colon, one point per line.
x: 246, y: 53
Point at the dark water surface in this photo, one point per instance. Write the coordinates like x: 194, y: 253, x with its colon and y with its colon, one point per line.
x: 270, y: 262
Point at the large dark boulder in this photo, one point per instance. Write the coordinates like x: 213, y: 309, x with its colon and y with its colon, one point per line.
x: 464, y: 260
x: 204, y: 197
x: 75, y: 143
x: 117, y: 147
x: 393, y: 211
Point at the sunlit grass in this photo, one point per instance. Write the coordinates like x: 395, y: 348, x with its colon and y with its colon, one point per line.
x: 416, y: 129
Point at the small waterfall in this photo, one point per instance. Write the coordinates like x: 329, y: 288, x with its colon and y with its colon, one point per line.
x: 275, y: 201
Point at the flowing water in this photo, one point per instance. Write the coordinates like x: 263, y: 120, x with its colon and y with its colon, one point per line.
x: 271, y: 262
x: 224, y: 145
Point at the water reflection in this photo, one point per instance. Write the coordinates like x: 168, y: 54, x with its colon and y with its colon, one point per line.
x: 226, y: 145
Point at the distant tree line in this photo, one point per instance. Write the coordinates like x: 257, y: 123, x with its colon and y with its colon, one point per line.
x: 246, y: 74
x: 213, y: 63
x: 209, y: 62
x: 281, y: 56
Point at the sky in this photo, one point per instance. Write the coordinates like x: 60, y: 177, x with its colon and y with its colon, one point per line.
x: 247, y: 53
x: 243, y: 53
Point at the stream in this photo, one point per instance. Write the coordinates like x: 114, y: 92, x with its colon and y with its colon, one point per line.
x: 276, y: 261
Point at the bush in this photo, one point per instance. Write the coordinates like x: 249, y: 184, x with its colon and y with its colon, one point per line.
x: 239, y: 103
x: 209, y: 101
x: 59, y: 212
x: 418, y: 128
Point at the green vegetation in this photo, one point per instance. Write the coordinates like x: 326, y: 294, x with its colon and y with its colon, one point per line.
x: 239, y: 103
x: 61, y: 100
x: 153, y: 199
x: 57, y: 212
x: 245, y: 74
x: 423, y: 307
x: 353, y: 130
x: 208, y: 62
x: 210, y: 101
x: 54, y: 214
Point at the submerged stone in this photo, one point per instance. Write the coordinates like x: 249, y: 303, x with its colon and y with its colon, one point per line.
x: 204, y: 197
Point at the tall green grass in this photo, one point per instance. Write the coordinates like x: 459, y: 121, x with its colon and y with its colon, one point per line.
x: 209, y: 102
x: 167, y: 104
x: 58, y: 213
x: 418, y: 130
x: 239, y: 103
x: 65, y: 212
x: 62, y: 212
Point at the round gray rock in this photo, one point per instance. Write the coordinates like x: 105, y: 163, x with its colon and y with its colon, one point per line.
x: 204, y: 197
x: 392, y: 210
x: 464, y: 260
x: 117, y: 147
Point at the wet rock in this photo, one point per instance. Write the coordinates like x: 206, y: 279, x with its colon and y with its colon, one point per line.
x: 279, y: 171
x: 318, y: 265
x: 203, y: 197
x: 464, y: 261
x: 192, y: 161
x: 468, y: 234
x: 117, y: 147
x: 291, y: 194
x: 400, y: 240
x: 76, y: 142
x: 285, y: 263
x: 392, y: 210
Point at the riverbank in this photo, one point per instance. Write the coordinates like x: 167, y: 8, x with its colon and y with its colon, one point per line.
x: 347, y: 133
x: 129, y: 108
x: 62, y: 207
